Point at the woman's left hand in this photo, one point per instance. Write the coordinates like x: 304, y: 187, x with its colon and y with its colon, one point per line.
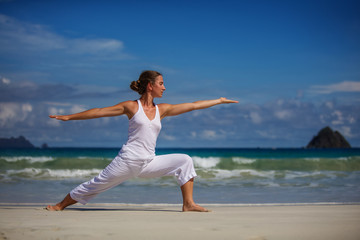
x: 225, y: 100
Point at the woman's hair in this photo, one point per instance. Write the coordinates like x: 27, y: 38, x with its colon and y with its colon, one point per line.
x: 145, y: 77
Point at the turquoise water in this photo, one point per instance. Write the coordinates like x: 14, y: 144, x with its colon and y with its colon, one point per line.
x: 224, y: 176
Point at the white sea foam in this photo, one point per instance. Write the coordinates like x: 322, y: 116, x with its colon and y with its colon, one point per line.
x: 73, y: 173
x: 268, y: 184
x: 318, y: 159
x: 243, y: 160
x: 24, y: 172
x: 315, y: 174
x: 36, y: 173
x: 254, y: 173
x: 314, y: 185
x: 242, y: 173
x: 223, y: 174
x: 28, y: 158
x: 208, y: 162
x: 296, y: 174
x: 313, y: 159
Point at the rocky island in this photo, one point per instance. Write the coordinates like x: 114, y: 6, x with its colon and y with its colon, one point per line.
x: 20, y: 142
x: 327, y: 138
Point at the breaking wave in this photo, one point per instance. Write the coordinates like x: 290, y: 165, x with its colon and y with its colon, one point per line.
x: 211, y: 168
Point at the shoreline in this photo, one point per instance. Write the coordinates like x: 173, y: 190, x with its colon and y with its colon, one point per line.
x: 320, y: 221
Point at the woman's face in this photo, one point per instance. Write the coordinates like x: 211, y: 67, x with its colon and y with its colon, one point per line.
x: 158, y: 87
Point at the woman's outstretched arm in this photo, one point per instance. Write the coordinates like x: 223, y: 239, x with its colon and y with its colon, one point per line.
x: 173, y: 110
x: 116, y: 110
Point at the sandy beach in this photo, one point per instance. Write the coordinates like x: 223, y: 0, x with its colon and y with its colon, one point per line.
x: 120, y: 221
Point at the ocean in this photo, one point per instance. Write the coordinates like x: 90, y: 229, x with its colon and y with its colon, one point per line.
x: 225, y: 176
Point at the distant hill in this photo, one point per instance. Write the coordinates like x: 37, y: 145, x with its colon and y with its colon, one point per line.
x: 20, y: 142
x: 327, y: 138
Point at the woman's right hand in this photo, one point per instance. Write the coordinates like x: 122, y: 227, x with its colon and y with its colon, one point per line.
x: 60, y: 117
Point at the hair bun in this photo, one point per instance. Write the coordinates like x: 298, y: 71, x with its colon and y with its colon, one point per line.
x: 134, y: 85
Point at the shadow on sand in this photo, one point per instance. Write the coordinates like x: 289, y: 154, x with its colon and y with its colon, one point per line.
x: 121, y: 209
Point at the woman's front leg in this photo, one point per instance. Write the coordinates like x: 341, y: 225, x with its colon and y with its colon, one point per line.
x: 188, y: 201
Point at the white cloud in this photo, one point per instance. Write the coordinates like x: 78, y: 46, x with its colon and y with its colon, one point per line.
x: 346, y: 131
x: 12, y: 113
x: 27, y: 35
x: 7, y: 112
x: 77, y: 108
x: 5, y: 81
x: 94, y: 45
x: 193, y: 134
x: 57, y: 104
x: 323, y: 118
x: 339, y: 119
x: 351, y: 119
x: 26, y: 107
x: 56, y: 111
x: 329, y: 105
x: 283, y: 114
x: 53, y: 122
x: 167, y: 137
x: 255, y: 117
x: 66, y: 108
x: 345, y: 86
x: 280, y: 102
x: 20, y: 36
x: 209, y: 134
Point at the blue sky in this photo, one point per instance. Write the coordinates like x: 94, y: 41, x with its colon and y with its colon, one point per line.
x: 293, y: 65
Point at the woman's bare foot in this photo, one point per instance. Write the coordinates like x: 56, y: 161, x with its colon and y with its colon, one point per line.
x: 54, y: 208
x: 62, y: 205
x: 194, y: 208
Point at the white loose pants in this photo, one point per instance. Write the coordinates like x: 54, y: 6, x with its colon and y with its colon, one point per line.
x: 119, y: 170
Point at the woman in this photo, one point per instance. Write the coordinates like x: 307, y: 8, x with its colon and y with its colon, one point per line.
x: 137, y: 157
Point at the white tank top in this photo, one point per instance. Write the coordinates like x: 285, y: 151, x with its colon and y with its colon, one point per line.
x: 142, y: 137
